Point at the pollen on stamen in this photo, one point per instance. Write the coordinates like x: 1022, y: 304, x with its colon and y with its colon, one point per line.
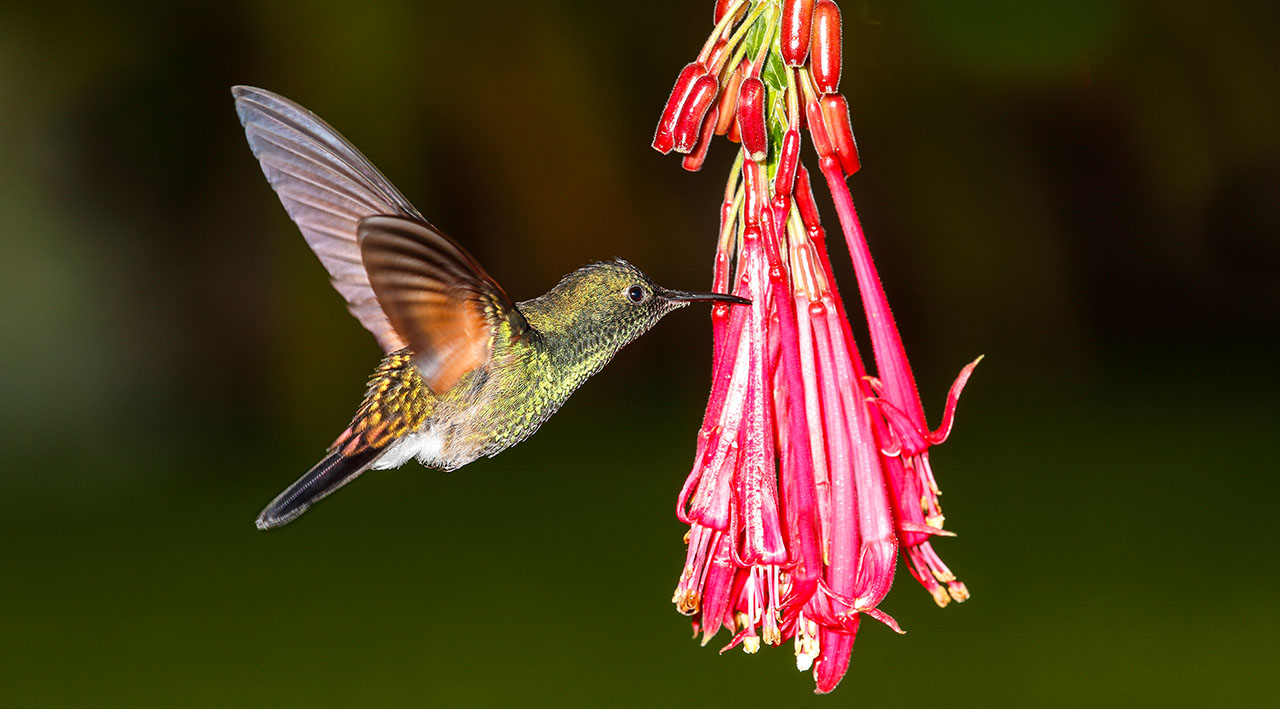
x: 940, y: 596
x: 807, y: 645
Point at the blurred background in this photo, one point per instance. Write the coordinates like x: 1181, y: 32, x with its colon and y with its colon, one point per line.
x: 1084, y: 191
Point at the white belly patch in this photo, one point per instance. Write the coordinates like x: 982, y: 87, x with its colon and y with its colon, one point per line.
x: 427, y: 446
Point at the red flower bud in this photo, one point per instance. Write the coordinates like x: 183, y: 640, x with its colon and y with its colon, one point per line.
x: 664, y: 138
x: 722, y: 6
x: 826, y: 46
x: 717, y: 51
x: 781, y: 207
x: 788, y: 161
x: 689, y: 120
x: 797, y: 17
x: 734, y: 135
x: 751, y: 118
x: 818, y: 129
x: 729, y: 99
x: 805, y: 202
x: 693, y: 161
x: 835, y: 109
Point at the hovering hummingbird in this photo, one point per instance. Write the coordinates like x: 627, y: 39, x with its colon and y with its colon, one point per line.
x: 467, y: 372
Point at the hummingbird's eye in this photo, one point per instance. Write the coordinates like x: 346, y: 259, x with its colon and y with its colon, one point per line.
x: 636, y: 294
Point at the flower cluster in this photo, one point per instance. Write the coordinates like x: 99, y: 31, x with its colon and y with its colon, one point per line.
x: 809, y: 475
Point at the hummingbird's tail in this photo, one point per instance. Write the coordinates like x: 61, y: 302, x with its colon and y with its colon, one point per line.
x: 331, y: 473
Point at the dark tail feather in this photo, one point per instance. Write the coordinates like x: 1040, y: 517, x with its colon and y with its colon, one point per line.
x: 331, y: 473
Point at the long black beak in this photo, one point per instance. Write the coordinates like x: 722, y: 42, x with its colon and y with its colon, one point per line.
x: 683, y: 296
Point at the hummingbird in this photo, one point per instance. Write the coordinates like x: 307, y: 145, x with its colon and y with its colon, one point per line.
x: 466, y: 372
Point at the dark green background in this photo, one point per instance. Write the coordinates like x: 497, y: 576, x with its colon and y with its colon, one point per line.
x: 1086, y: 192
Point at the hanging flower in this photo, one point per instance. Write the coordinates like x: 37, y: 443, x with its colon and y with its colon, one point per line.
x: 809, y: 475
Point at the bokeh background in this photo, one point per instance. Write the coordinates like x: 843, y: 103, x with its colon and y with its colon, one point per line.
x: 1086, y: 192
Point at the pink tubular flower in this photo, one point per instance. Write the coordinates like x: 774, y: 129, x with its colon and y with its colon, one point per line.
x: 809, y: 475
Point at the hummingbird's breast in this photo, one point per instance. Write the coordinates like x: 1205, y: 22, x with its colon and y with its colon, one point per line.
x: 500, y: 405
x: 491, y: 408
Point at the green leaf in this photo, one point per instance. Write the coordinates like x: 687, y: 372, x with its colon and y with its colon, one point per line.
x: 774, y: 72
x: 776, y: 121
x: 755, y: 36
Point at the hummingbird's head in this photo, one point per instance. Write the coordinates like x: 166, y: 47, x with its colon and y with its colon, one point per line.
x: 618, y: 302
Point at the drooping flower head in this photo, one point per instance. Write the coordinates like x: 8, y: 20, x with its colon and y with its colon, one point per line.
x: 809, y: 475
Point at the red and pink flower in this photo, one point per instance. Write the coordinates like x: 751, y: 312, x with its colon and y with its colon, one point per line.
x: 809, y: 474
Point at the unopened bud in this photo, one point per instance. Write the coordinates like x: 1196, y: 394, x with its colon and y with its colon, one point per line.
x: 693, y: 161
x: 664, y: 138
x: 722, y: 6
x: 835, y: 110
x: 788, y: 161
x: 818, y: 129
x: 797, y: 18
x: 751, y: 118
x: 780, y: 206
x: 717, y: 51
x: 826, y: 46
x: 689, y: 120
x: 729, y: 98
x: 804, y: 200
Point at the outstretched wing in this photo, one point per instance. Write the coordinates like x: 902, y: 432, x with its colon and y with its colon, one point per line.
x: 437, y: 296
x: 327, y: 187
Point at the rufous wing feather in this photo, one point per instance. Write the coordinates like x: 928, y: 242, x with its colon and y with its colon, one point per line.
x: 327, y: 187
x: 437, y: 297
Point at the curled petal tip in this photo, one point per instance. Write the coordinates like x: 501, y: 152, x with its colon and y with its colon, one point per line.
x: 941, y: 433
x: 884, y: 618
x: 925, y: 529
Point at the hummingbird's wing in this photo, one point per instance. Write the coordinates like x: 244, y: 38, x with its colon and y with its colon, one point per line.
x: 437, y: 296
x: 327, y: 187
